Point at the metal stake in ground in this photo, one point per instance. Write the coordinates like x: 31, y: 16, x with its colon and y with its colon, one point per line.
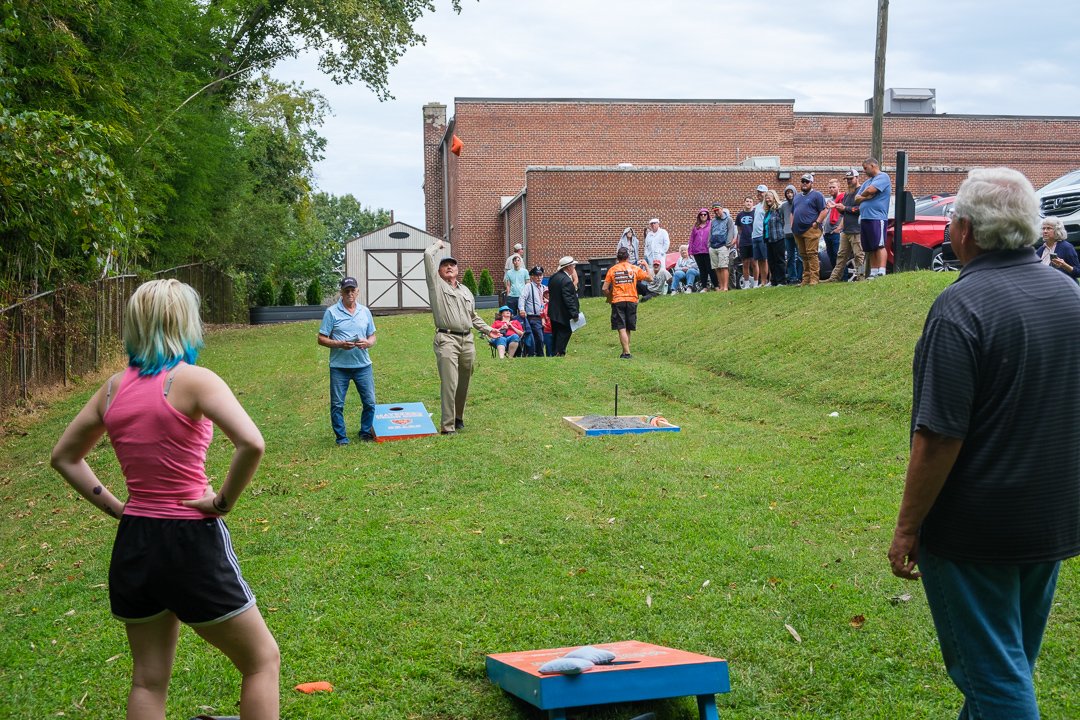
x: 616, y: 399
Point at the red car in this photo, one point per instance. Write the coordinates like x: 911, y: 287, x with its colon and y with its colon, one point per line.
x: 927, y: 230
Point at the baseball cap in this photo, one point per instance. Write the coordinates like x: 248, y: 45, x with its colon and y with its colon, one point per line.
x: 348, y: 282
x: 808, y: 176
x: 852, y: 173
x: 656, y: 261
x: 655, y: 220
x: 762, y: 188
x: 447, y: 259
x: 517, y: 246
x: 505, y: 308
x: 537, y: 270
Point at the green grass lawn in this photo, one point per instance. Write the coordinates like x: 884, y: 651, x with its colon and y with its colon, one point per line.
x: 390, y: 570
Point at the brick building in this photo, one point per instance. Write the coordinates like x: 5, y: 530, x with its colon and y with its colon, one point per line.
x: 566, y: 176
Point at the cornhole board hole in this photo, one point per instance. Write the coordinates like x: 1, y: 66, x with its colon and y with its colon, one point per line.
x: 401, y: 421
x: 591, y: 425
x: 640, y: 671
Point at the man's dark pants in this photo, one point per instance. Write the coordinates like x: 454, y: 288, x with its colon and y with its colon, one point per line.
x: 534, y: 328
x: 561, y: 335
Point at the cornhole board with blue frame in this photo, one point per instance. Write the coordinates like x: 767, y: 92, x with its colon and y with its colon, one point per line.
x: 661, y: 426
x: 641, y: 671
x: 401, y: 421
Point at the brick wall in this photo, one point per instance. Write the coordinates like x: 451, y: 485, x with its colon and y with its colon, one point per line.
x: 434, y: 128
x: 583, y: 212
x: 1041, y: 148
x: 503, y: 137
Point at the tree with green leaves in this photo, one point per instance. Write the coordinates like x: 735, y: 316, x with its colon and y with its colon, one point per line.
x: 138, y: 135
x: 469, y: 280
x: 343, y: 218
x: 356, y: 40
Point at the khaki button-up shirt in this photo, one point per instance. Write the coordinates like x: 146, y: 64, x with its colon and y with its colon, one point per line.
x: 452, y: 308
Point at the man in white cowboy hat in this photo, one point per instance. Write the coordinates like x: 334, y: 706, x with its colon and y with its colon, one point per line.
x: 454, y: 311
x: 563, y: 304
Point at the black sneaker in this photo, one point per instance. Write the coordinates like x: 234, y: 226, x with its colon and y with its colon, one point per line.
x: 625, y: 356
x: 459, y: 424
x: 366, y: 437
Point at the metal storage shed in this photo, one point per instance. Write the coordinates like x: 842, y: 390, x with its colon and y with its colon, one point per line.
x: 388, y: 265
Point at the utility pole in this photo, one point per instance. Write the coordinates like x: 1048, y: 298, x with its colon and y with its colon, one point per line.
x: 879, y: 78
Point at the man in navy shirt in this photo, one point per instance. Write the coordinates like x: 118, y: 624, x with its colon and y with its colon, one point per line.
x: 349, y: 331
x: 991, y: 501
x: 808, y: 213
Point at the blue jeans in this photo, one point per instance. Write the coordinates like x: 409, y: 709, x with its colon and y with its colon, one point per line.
x: 990, y: 621
x: 794, y: 261
x: 549, y: 344
x: 364, y: 379
x: 689, y: 277
x: 832, y: 244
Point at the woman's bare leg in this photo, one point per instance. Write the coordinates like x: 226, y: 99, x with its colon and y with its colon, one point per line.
x: 153, y: 649
x: 247, y: 641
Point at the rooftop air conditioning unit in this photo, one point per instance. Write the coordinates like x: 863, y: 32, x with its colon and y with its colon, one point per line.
x: 762, y: 162
x: 907, y: 101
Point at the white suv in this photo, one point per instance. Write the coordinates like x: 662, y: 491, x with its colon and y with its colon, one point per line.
x: 1061, y: 198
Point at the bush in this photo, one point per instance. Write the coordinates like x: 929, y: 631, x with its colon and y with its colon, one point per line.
x: 469, y: 281
x: 314, y: 293
x: 264, y: 295
x: 487, y: 285
x: 287, y: 296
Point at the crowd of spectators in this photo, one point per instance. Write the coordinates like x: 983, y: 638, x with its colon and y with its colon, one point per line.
x: 773, y: 240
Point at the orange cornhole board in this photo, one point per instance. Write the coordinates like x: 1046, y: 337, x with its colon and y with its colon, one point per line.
x: 640, y: 671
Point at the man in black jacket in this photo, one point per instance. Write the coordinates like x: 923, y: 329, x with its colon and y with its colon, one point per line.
x: 563, y: 304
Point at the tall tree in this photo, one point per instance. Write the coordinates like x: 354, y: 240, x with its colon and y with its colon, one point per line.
x: 357, y: 40
x: 343, y: 218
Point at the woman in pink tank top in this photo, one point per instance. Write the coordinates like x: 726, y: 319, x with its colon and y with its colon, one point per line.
x: 160, y: 415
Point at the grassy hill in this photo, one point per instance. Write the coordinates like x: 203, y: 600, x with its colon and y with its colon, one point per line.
x: 390, y: 570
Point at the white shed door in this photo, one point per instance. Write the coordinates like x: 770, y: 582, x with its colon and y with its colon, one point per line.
x: 395, y: 279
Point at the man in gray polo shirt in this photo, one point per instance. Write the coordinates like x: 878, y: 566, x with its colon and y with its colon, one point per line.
x: 991, y: 501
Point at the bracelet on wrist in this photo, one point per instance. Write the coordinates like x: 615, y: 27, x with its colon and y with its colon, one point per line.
x: 223, y: 509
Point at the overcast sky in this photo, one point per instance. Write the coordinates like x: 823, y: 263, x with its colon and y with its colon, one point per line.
x: 982, y: 56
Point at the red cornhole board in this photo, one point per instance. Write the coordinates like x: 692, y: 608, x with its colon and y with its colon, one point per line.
x: 640, y: 672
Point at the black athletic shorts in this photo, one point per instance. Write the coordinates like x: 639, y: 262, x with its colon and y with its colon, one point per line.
x: 186, y: 566
x: 624, y: 316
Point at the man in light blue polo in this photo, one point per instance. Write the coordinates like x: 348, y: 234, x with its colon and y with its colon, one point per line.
x: 349, y: 331
x: 873, y: 204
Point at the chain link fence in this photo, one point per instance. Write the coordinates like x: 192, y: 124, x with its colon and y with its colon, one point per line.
x: 49, y: 338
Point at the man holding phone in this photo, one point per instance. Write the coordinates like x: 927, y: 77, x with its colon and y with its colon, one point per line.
x: 349, y: 331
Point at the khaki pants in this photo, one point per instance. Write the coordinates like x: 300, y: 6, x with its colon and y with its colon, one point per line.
x: 455, y: 356
x: 808, y: 249
x: 850, y: 247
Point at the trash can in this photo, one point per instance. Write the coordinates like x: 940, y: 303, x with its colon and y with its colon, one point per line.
x: 598, y: 268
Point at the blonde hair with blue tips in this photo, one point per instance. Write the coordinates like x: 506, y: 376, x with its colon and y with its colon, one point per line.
x: 162, y: 326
